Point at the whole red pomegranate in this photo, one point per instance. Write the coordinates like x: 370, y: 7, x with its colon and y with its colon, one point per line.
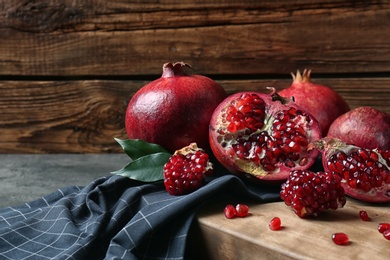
x: 365, y: 172
x: 323, y: 102
x: 263, y: 135
x: 174, y: 110
x: 365, y: 126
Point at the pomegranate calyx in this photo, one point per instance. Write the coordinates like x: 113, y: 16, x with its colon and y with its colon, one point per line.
x: 299, y: 78
x: 174, y: 69
x: 276, y: 97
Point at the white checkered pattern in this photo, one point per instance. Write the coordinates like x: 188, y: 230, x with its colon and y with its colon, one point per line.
x: 111, y: 218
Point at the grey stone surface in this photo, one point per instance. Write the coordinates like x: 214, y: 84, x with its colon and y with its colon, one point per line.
x: 25, y: 177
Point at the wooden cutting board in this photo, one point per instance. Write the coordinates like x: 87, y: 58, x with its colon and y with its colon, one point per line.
x: 250, y: 237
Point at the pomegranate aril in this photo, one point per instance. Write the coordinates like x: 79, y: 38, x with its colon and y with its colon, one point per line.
x: 340, y: 238
x: 230, y: 211
x: 383, y: 226
x: 275, y: 224
x: 363, y: 215
x: 386, y: 234
x: 242, y: 210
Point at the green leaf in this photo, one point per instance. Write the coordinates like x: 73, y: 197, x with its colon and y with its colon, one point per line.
x: 148, y: 168
x: 136, y: 148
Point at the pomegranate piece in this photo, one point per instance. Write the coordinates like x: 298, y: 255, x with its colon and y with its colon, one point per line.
x: 323, y: 102
x: 365, y: 173
x: 185, y: 170
x: 242, y: 210
x: 365, y: 127
x: 340, y: 238
x: 174, y: 110
x: 275, y: 224
x: 383, y: 226
x: 263, y: 135
x: 310, y: 193
x: 386, y: 234
x: 364, y: 216
x: 230, y: 211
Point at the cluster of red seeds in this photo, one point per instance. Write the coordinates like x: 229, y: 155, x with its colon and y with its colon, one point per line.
x: 184, y: 173
x: 309, y: 193
x: 247, y: 112
x: 354, y: 168
x: 283, y: 144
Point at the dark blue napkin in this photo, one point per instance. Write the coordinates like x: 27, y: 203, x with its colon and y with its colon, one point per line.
x: 113, y: 218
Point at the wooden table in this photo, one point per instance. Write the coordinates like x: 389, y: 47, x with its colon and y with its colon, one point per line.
x: 26, y: 177
x: 250, y: 237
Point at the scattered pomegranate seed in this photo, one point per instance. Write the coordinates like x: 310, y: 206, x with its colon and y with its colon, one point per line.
x: 230, y: 211
x: 386, y: 234
x: 363, y: 215
x: 275, y: 224
x: 242, y: 210
x: 340, y: 238
x: 382, y: 227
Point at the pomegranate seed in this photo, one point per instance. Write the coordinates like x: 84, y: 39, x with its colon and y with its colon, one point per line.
x: 230, y: 211
x: 386, y: 234
x: 275, y: 224
x: 382, y: 227
x: 363, y: 215
x: 242, y: 210
x: 340, y: 238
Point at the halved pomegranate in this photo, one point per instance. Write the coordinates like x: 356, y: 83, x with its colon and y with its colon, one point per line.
x: 263, y: 135
x: 365, y: 172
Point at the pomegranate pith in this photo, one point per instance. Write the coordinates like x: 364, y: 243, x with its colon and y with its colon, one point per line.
x: 263, y: 135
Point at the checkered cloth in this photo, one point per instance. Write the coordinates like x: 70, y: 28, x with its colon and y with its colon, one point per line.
x: 111, y: 218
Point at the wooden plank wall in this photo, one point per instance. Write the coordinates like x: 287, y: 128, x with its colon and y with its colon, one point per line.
x: 68, y: 67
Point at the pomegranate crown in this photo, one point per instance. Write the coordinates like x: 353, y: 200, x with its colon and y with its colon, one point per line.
x: 174, y: 69
x: 304, y: 77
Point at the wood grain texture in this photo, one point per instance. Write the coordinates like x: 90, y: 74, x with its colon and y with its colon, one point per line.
x: 55, y: 116
x: 85, y: 116
x: 96, y: 37
x: 68, y: 68
x: 250, y: 237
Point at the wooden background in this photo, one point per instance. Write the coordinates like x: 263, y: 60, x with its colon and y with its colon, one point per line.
x: 68, y: 67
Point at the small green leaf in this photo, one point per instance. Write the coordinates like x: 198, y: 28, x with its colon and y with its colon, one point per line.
x: 148, y: 168
x: 136, y: 148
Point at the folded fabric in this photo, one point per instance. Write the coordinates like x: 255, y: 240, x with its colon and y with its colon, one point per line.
x: 112, y: 218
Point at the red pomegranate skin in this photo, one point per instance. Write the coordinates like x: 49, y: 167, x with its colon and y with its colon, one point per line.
x: 174, y: 110
x: 323, y: 102
x: 364, y: 126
